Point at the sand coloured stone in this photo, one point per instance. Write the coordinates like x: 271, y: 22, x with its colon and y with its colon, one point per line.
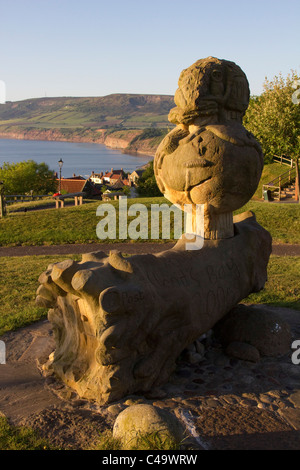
x: 137, y: 422
x: 121, y: 323
x: 210, y: 158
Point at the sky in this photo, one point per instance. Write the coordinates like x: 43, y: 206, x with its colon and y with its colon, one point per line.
x: 98, y: 47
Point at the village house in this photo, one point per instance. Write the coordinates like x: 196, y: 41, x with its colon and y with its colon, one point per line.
x: 97, y: 178
x: 135, y: 175
x: 114, y: 179
x: 77, y: 184
x: 114, y: 175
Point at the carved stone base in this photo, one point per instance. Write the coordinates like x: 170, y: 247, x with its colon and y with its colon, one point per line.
x: 121, y: 323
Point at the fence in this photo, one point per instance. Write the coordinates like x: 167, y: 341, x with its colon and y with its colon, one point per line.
x: 276, y: 187
x: 13, y: 198
x: 284, y: 160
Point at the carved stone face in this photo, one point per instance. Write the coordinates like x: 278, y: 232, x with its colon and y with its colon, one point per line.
x: 210, y: 157
x: 211, y: 87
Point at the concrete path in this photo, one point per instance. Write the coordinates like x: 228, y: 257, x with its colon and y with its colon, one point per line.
x: 129, y: 248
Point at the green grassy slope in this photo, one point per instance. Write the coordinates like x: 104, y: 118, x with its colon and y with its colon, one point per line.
x: 77, y: 224
x: 128, y: 110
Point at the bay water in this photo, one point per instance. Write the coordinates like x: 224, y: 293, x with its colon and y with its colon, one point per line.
x: 78, y: 158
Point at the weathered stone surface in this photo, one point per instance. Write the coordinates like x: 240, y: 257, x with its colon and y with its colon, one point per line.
x: 138, y: 421
x: 295, y: 399
x: 120, y: 324
x: 262, y: 329
x: 243, y: 351
x: 210, y: 158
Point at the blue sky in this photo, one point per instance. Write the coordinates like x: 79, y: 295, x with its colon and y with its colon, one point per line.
x: 94, y: 48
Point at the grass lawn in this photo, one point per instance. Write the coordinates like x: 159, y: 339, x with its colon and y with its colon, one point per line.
x: 19, y: 282
x: 18, y: 285
x: 77, y: 224
x: 20, y: 438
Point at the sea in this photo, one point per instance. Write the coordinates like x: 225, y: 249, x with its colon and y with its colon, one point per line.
x: 78, y: 158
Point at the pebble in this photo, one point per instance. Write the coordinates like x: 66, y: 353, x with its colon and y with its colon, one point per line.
x: 212, y: 403
x: 247, y: 402
x: 134, y: 401
x: 261, y: 405
x: 275, y: 393
x: 114, y: 410
x: 229, y: 399
x: 295, y: 399
x: 265, y: 399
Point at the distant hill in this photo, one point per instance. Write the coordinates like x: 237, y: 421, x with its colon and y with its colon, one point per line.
x: 134, y: 123
x: 116, y: 110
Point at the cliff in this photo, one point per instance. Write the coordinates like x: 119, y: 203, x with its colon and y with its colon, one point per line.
x: 132, y: 141
x: 130, y: 122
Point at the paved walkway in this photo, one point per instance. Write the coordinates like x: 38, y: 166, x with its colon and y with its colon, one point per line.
x: 129, y: 248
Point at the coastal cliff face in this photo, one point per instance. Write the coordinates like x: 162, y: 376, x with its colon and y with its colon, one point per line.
x: 129, y: 122
x: 123, y: 140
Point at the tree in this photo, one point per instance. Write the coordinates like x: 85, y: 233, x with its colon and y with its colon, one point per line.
x: 146, y: 185
x: 274, y: 117
x: 27, y: 176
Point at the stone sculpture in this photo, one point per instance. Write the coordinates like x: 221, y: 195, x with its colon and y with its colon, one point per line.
x: 210, y: 158
x: 121, y: 323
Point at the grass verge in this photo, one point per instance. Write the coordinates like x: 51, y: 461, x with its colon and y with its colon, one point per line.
x: 20, y: 438
x: 25, y: 438
x: 77, y: 224
x: 18, y: 285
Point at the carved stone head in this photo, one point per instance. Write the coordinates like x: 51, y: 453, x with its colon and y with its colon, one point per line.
x: 210, y: 90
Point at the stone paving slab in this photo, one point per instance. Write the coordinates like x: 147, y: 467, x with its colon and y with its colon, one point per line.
x: 23, y: 392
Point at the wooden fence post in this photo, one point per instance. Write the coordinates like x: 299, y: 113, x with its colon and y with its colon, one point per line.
x: 1, y: 206
x: 279, y: 182
x: 297, y: 181
x: 2, y: 201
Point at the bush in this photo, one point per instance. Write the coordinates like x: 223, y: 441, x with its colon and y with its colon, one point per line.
x: 274, y: 119
x: 26, y: 177
x: 147, y: 186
